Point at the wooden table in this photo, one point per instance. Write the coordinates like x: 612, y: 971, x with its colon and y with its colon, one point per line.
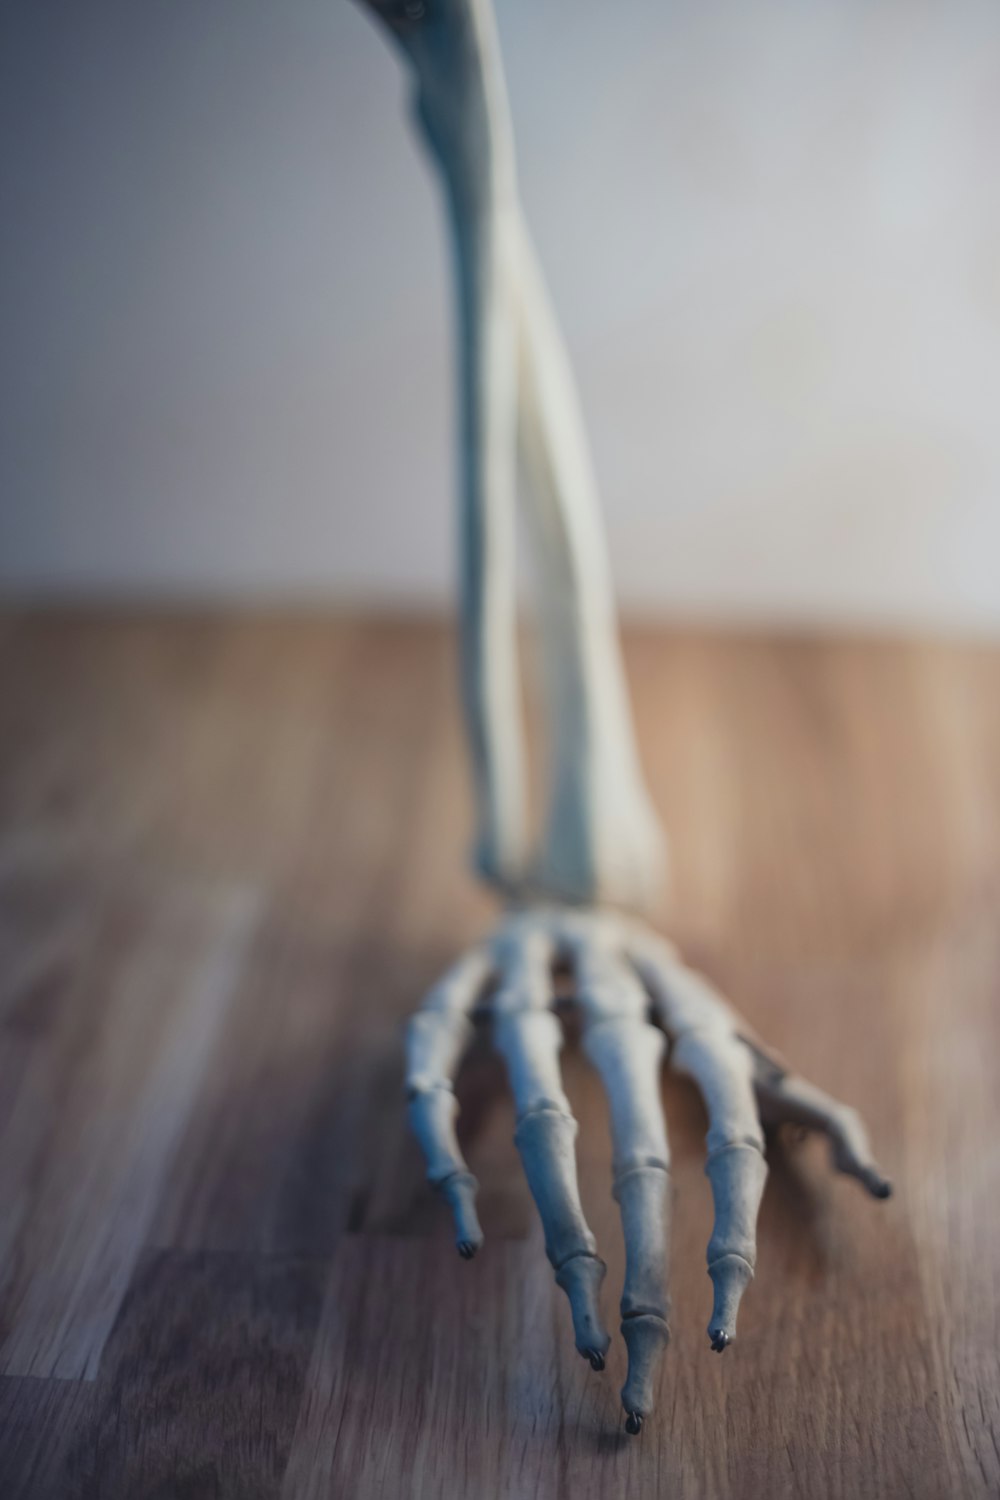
x: 231, y: 859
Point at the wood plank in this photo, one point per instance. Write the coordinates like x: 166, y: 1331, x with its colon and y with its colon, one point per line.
x: 202, y: 1378
x: 39, y: 1422
x: 231, y: 859
x: 97, y: 1106
x: 300, y: 1070
x: 197, y: 1394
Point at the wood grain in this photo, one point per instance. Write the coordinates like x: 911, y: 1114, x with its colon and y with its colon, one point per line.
x: 232, y: 854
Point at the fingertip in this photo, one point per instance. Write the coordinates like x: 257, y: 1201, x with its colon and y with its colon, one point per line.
x: 731, y: 1275
x: 459, y: 1191
x: 870, y: 1177
x: 580, y: 1278
x: 646, y: 1336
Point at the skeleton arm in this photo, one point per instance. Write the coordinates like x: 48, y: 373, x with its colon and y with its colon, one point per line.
x: 601, y: 840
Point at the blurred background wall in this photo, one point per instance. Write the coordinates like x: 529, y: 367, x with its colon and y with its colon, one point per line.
x: 772, y: 232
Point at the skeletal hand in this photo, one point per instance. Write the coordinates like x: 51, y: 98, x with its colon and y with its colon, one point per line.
x: 623, y: 977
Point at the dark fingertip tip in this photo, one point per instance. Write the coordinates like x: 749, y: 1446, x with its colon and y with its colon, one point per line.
x: 883, y: 1189
x: 633, y: 1423
x: 720, y: 1340
x: 596, y: 1359
x: 467, y: 1249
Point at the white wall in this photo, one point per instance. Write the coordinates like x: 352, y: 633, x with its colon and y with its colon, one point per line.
x: 772, y: 231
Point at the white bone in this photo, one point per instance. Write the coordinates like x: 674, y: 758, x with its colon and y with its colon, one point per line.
x: 601, y: 839
x: 462, y: 109
x: 786, y: 1099
x: 437, y: 1037
x: 627, y: 1052
x: 721, y: 1067
x: 706, y: 1045
x: 529, y: 1036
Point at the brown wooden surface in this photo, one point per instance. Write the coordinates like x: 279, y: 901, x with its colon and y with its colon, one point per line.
x: 231, y: 858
